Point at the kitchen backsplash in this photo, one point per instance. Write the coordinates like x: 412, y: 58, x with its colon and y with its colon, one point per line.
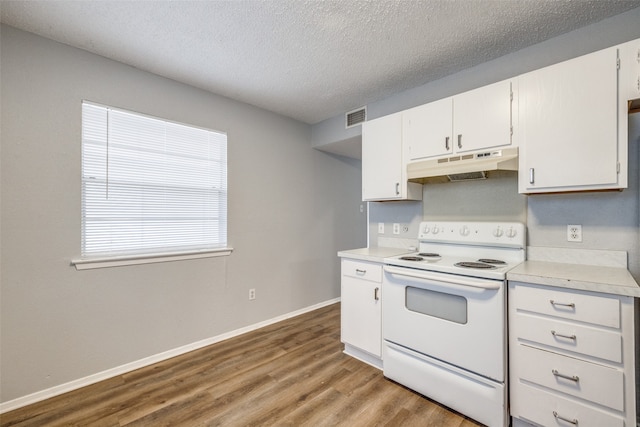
x: 493, y: 199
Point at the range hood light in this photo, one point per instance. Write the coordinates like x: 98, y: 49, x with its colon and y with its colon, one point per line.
x: 467, y: 176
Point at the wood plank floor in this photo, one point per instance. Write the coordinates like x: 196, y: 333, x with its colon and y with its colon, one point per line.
x: 292, y: 373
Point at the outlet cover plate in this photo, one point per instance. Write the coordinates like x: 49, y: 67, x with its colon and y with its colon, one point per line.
x: 574, y: 233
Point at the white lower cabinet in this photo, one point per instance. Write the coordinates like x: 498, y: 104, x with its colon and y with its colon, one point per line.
x: 571, y: 357
x: 361, y: 310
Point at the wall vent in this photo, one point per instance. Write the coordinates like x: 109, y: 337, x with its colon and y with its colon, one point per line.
x: 355, y: 117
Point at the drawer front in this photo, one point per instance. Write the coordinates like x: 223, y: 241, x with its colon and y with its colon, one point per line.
x: 540, y: 406
x: 604, y: 344
x: 362, y: 270
x: 593, y: 382
x: 568, y: 304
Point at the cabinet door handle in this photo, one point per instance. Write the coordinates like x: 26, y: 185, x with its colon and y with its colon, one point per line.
x: 361, y: 271
x: 459, y: 140
x: 557, y: 335
x: 446, y: 143
x: 562, y: 304
x: 566, y: 377
x: 397, y: 188
x: 376, y: 295
x: 559, y: 417
x: 532, y: 176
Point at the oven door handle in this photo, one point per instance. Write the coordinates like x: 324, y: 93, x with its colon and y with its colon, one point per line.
x: 459, y: 280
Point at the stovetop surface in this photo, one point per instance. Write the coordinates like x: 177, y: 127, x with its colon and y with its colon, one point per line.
x: 447, y: 243
x: 447, y: 264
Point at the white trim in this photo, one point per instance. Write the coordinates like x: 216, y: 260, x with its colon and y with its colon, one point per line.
x: 91, y: 263
x: 128, y: 367
x: 362, y: 356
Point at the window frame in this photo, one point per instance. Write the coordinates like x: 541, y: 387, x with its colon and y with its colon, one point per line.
x: 140, y: 255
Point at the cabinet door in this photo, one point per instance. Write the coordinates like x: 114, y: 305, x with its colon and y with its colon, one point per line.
x: 382, y: 158
x: 569, y: 125
x: 482, y: 117
x: 426, y: 130
x: 361, y: 321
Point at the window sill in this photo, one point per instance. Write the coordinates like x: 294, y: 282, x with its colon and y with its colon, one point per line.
x: 91, y: 263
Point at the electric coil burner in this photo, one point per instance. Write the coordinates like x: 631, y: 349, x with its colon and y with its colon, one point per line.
x: 444, y: 314
x: 472, y: 264
x: 430, y: 255
x: 492, y: 261
x: 411, y: 258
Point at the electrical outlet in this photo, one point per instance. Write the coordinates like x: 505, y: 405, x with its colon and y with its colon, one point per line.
x: 381, y: 228
x: 396, y: 228
x: 574, y: 233
x: 405, y: 228
x: 252, y: 294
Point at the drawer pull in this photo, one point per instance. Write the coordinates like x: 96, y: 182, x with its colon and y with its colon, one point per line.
x: 566, y: 377
x: 562, y: 304
x: 361, y: 271
x: 560, y: 417
x: 557, y: 335
x: 376, y: 295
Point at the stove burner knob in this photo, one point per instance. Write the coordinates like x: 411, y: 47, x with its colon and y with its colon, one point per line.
x: 435, y: 230
x: 464, y: 231
x: 426, y: 229
x: 511, y: 232
x: 497, y: 232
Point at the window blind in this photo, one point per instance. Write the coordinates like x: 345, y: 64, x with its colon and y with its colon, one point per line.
x: 150, y: 185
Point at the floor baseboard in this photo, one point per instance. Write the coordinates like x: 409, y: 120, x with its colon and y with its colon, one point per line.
x: 128, y: 367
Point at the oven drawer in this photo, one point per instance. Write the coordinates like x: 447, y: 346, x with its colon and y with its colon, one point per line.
x: 589, y: 381
x: 541, y: 406
x: 578, y: 338
x: 362, y: 270
x: 568, y: 304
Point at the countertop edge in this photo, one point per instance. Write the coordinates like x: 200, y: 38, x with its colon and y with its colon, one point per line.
x: 374, y: 254
x: 565, y: 276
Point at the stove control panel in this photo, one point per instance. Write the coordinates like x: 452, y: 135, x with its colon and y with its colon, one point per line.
x: 508, y: 234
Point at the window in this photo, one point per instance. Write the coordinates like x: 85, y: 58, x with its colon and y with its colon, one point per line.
x: 150, y: 186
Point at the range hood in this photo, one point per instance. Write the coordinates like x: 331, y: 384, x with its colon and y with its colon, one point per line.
x: 463, y: 167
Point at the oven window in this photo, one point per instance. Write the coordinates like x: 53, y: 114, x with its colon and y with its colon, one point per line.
x: 437, y: 304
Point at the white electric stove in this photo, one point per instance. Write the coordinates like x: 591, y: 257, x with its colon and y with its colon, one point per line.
x: 444, y: 315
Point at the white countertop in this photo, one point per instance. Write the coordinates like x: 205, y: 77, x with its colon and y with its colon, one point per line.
x: 375, y: 254
x: 610, y: 280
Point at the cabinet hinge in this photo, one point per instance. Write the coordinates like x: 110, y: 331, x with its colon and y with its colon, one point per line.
x: 511, y: 131
x: 511, y: 96
x: 618, y: 168
x: 618, y: 63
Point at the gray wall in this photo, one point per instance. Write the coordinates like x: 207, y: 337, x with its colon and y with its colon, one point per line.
x: 291, y: 208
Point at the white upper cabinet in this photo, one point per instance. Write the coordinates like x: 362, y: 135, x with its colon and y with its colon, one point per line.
x: 428, y: 129
x: 471, y: 121
x: 482, y: 118
x: 629, y: 86
x: 569, y: 126
x: 384, y: 175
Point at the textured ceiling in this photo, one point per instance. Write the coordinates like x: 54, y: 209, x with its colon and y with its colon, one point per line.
x: 305, y: 59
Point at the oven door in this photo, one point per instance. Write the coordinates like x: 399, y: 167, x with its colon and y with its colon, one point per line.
x: 458, y: 320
